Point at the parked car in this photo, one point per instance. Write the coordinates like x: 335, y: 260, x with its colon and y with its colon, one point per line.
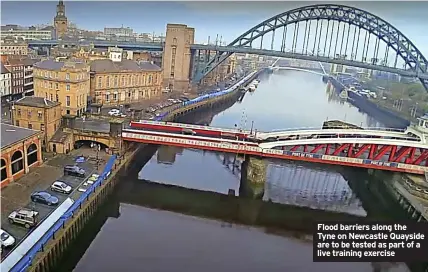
x: 25, y: 217
x: 74, y: 170
x: 113, y: 111
x: 44, y: 198
x: 61, y: 187
x: 6, y: 240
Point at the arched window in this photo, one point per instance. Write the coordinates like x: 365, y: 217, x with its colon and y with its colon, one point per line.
x: 150, y: 79
x: 174, y: 41
x: 3, y: 170
x: 17, y: 162
x: 32, y: 154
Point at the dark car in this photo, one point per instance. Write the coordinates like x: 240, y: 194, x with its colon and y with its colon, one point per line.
x: 44, y: 198
x: 74, y: 170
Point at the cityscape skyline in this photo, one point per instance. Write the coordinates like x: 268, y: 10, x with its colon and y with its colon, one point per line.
x: 208, y: 18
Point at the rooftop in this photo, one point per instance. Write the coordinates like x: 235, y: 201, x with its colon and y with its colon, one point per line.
x: 13, y: 134
x: 39, y: 102
x: 3, y: 69
x: 51, y: 64
x: 107, y: 65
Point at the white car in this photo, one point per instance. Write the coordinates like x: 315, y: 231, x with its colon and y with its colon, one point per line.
x: 7, y: 240
x: 61, y: 187
x: 113, y: 112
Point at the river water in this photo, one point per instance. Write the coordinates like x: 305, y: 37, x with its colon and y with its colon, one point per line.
x: 142, y: 239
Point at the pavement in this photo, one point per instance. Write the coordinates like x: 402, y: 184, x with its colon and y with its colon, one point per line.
x: 17, y: 194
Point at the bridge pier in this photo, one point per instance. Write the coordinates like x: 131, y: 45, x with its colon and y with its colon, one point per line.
x: 253, y: 177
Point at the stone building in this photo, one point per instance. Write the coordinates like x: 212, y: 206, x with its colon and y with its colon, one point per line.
x: 20, y: 151
x: 12, y: 46
x: 120, y: 81
x: 38, y: 113
x: 60, y: 21
x: 66, y: 82
x: 176, y: 61
x: 5, y: 82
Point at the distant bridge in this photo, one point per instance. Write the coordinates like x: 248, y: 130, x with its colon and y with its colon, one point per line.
x: 308, y: 70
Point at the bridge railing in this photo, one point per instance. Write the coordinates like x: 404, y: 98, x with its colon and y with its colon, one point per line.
x: 337, y: 127
x: 27, y: 259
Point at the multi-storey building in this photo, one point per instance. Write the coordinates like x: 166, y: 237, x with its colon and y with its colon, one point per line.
x: 176, y: 61
x: 118, y: 31
x: 30, y: 33
x: 37, y: 113
x: 16, y: 67
x: 66, y: 82
x: 119, y: 81
x: 5, y: 83
x: 12, y: 46
x: 28, y: 75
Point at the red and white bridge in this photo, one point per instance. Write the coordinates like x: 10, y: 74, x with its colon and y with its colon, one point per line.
x: 392, y: 150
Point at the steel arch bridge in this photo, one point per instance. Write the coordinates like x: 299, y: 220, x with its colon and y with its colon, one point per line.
x: 414, y: 63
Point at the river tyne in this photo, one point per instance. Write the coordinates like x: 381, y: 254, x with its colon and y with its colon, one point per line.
x: 133, y: 237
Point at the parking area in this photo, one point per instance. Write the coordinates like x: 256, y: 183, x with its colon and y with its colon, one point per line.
x: 17, y: 194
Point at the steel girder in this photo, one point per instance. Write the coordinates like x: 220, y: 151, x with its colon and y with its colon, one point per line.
x: 387, y: 153
x: 395, y: 40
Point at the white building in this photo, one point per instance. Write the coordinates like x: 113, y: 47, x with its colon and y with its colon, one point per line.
x: 115, y: 54
x: 5, y: 83
x: 27, y: 34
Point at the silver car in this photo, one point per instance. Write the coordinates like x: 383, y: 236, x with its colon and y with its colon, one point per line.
x: 61, y: 187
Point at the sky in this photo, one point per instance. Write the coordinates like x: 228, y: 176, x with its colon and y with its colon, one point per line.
x: 227, y: 19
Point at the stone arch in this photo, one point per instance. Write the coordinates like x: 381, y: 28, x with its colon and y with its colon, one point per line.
x: 17, y: 163
x: 32, y: 154
x: 3, y: 169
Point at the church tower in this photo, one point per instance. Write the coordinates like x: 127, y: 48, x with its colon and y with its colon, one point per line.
x: 60, y: 20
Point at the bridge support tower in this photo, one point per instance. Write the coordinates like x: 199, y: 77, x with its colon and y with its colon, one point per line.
x: 177, y: 57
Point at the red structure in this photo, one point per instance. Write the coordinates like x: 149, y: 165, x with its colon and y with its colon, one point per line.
x: 398, y: 155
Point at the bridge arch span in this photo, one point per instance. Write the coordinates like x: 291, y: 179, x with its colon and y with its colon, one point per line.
x: 87, y: 142
x: 392, y: 37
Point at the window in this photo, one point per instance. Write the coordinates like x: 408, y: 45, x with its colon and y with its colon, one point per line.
x: 56, y: 86
x: 54, y: 127
x: 39, y: 114
x: 30, y: 126
x: 67, y: 101
x: 100, y: 82
x: 115, y: 81
x: 108, y: 81
x: 19, y: 112
x: 57, y: 98
x: 42, y: 127
x: 67, y: 87
x: 115, y: 96
x: 150, y: 79
x: 67, y: 76
x: 17, y: 123
x: 50, y: 85
x: 123, y: 80
x: 51, y: 97
x: 107, y: 97
x: 29, y: 113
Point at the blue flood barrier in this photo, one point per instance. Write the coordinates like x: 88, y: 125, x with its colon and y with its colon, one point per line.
x: 26, y: 260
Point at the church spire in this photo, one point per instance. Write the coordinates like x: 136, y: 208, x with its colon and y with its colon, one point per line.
x: 60, y: 9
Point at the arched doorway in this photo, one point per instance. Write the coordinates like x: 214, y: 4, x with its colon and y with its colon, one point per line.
x: 3, y: 170
x: 17, y: 162
x: 32, y: 154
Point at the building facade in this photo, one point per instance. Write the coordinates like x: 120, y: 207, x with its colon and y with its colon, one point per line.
x: 12, y: 46
x: 20, y: 151
x: 115, y: 81
x: 37, y: 113
x: 16, y: 67
x: 118, y: 31
x: 60, y: 21
x: 27, y: 33
x: 5, y: 83
x: 176, y: 61
x: 66, y: 82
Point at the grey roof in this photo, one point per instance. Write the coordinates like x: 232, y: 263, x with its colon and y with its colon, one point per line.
x: 59, y: 136
x: 3, y: 69
x: 107, y: 65
x: 148, y: 66
x: 39, y: 102
x: 13, y: 134
x: 51, y: 64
